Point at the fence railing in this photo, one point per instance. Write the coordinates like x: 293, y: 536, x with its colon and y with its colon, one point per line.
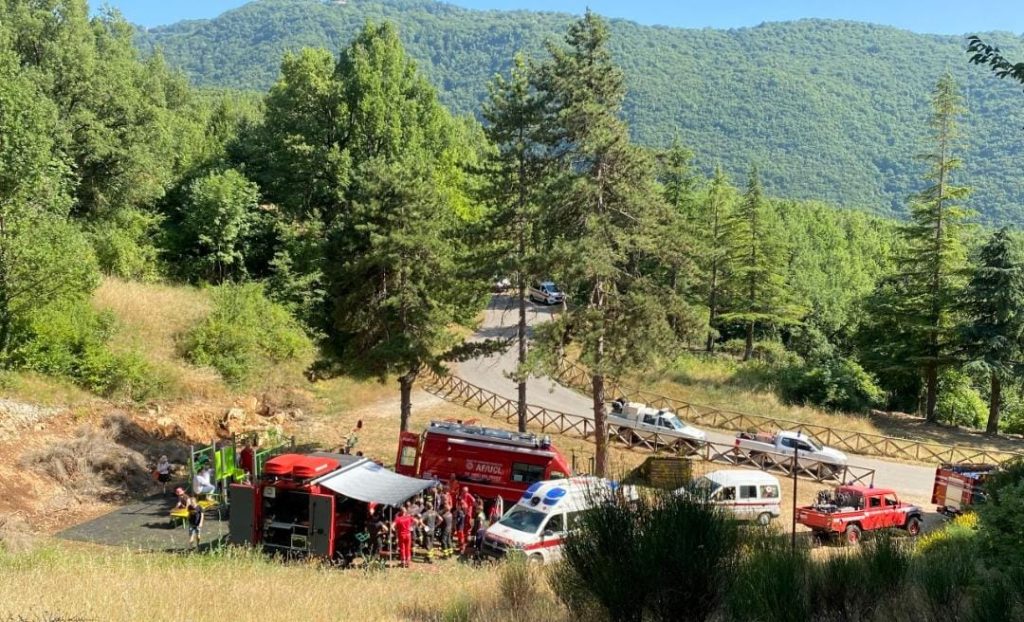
x: 458, y: 391
x: 576, y: 377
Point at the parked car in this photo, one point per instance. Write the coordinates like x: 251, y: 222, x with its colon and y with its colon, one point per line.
x: 546, y: 292
x: 747, y: 495
x: 812, y: 453
x: 502, y: 285
x: 636, y: 422
x: 849, y: 511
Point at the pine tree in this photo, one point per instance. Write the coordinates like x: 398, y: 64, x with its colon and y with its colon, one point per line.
x: 992, y: 331
x: 392, y: 252
x: 515, y: 176
x: 602, y: 218
x: 935, y: 256
x: 716, y: 229
x: 759, y: 295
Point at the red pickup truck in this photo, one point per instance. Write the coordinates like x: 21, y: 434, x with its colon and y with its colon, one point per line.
x: 849, y: 511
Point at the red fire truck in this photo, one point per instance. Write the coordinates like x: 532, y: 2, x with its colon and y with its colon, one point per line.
x: 959, y: 486
x: 315, y: 504
x: 492, y: 462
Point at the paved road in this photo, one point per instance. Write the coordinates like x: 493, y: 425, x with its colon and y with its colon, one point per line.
x: 492, y: 373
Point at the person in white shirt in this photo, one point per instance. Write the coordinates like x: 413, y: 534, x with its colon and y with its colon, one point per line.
x: 202, y: 484
x: 163, y: 472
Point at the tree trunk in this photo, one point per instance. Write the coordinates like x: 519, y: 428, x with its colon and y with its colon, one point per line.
x: 405, y: 383
x: 748, y: 351
x: 931, y: 379
x: 521, y: 404
x: 994, y: 404
x: 712, y: 308
x: 600, y: 428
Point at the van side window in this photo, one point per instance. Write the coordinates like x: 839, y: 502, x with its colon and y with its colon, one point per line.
x: 875, y: 502
x: 527, y: 473
x: 728, y: 494
x: 556, y: 523
x: 769, y: 492
x: 748, y: 492
x: 649, y: 419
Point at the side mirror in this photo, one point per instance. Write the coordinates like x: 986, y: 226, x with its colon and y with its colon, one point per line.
x: 548, y: 534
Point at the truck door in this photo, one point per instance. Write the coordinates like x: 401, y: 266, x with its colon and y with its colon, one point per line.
x: 242, y: 520
x: 321, y: 525
x: 408, y: 454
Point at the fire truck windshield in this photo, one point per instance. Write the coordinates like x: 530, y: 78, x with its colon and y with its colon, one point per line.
x: 523, y: 519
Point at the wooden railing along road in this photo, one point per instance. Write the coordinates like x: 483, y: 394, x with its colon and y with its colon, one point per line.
x: 576, y: 377
x: 458, y: 391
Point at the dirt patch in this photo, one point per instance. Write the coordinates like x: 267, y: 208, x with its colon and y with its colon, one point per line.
x: 16, y: 416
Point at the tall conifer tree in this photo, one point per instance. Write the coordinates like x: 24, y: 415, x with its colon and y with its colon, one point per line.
x: 993, y: 327
x: 603, y: 218
x: 935, y: 256
x: 515, y: 175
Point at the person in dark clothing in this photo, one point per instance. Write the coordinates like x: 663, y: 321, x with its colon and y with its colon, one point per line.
x: 195, y: 523
x: 460, y: 527
x: 429, y: 519
x: 447, y: 529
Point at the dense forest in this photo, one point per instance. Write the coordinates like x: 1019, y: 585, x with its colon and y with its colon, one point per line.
x: 348, y: 212
x: 833, y: 111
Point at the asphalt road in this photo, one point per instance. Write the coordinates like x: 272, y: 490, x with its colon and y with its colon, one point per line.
x: 492, y: 373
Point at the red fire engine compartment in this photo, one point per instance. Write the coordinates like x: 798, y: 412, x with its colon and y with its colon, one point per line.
x: 490, y: 461
x: 959, y: 486
x: 314, y: 504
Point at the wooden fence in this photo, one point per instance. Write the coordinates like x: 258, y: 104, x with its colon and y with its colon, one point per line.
x: 574, y: 376
x: 458, y: 391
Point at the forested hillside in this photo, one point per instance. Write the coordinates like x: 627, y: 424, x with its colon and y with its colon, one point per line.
x: 831, y: 110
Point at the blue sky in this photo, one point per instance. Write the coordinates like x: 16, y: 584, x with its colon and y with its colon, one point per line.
x: 930, y: 16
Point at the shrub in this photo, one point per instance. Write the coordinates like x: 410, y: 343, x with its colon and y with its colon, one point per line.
x: 69, y: 339
x: 771, y: 352
x: 958, y: 402
x: 244, y: 332
x: 835, y: 383
x: 124, y: 246
x: 660, y: 558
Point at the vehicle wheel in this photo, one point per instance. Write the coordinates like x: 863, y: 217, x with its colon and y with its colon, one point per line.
x: 852, y: 535
x: 764, y: 519
x: 914, y: 526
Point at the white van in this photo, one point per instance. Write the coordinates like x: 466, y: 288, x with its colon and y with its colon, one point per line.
x: 538, y: 522
x: 747, y: 495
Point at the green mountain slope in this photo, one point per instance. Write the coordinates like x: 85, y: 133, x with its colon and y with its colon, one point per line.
x: 830, y: 110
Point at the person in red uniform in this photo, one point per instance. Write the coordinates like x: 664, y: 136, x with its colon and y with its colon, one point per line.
x: 246, y: 458
x: 403, y: 524
x: 468, y: 504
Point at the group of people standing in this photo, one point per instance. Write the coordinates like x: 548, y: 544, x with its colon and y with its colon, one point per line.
x: 443, y: 523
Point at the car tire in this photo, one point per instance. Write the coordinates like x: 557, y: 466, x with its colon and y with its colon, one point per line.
x: 913, y: 526
x: 852, y: 535
x: 764, y: 519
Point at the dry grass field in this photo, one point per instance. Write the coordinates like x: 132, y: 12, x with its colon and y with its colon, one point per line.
x: 88, y: 583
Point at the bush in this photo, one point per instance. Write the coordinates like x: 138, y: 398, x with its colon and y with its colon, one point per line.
x: 835, y: 383
x: 958, y: 402
x: 662, y: 558
x: 124, y: 246
x: 244, y: 332
x: 69, y: 339
x: 770, y: 352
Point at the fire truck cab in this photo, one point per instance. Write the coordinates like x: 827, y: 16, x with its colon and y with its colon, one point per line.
x: 314, y: 504
x: 495, y: 462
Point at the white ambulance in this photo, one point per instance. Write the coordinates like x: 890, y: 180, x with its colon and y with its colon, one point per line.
x: 747, y: 495
x: 538, y: 522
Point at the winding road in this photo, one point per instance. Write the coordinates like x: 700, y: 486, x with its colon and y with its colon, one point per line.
x: 493, y: 374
